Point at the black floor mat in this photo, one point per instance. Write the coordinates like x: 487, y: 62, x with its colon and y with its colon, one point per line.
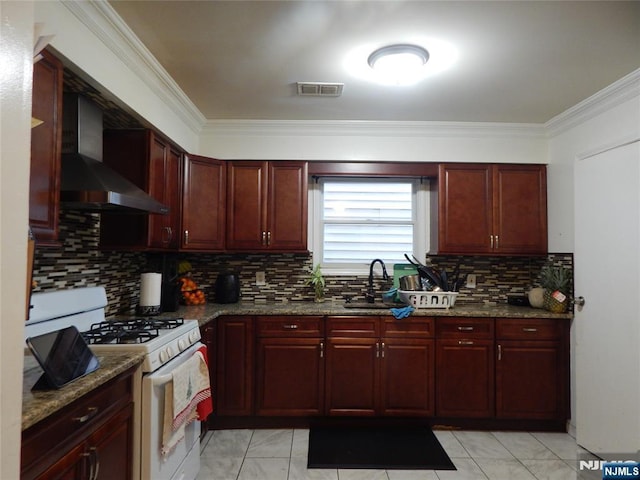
x: 386, y: 447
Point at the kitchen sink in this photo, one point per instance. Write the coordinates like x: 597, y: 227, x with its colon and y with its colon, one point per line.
x: 378, y: 305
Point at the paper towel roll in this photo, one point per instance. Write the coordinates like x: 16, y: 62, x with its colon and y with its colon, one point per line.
x: 150, y: 289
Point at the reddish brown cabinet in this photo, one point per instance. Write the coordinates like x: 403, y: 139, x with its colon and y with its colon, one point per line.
x: 464, y: 367
x: 266, y: 206
x: 498, y: 209
x: 203, y: 204
x: 154, y: 165
x: 375, y: 367
x: 235, y: 365
x: 92, y: 435
x: 290, y: 365
x: 46, y: 145
x: 531, y: 372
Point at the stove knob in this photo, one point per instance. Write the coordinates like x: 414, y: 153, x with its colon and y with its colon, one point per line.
x: 182, y: 344
x: 170, y: 351
x: 163, y: 356
x: 194, y: 336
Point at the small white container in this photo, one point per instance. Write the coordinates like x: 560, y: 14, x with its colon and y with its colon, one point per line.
x: 428, y: 299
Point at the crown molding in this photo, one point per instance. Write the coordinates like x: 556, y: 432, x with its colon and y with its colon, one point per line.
x: 618, y: 92
x: 357, y: 128
x: 103, y: 21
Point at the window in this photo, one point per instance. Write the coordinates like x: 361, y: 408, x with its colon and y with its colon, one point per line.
x: 356, y: 220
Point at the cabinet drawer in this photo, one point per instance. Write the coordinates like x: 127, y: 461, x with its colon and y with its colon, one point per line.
x: 349, y: 326
x: 290, y: 326
x: 460, y: 327
x: 412, y: 328
x: 528, y: 329
x: 60, y: 431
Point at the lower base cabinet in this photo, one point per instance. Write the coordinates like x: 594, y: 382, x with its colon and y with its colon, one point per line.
x: 92, y: 438
x: 444, y: 368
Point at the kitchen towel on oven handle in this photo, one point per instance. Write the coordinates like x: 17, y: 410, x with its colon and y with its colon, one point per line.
x: 187, y: 398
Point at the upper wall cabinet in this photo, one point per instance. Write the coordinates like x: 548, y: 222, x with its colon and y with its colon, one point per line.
x: 496, y: 209
x: 154, y: 165
x: 267, y: 206
x: 46, y: 141
x: 203, y: 204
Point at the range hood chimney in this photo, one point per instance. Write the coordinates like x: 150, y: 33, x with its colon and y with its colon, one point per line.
x: 85, y: 182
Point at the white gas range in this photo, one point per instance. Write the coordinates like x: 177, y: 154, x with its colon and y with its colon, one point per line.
x: 166, y: 344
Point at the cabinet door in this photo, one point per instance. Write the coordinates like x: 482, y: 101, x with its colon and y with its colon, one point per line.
x: 520, y: 209
x: 45, y: 149
x: 235, y: 366
x: 529, y: 380
x: 110, y: 447
x: 164, y: 186
x: 464, y: 208
x: 290, y: 376
x: 246, y: 205
x: 203, y: 204
x: 287, y: 206
x: 464, y: 378
x: 407, y: 384
x: 352, y: 376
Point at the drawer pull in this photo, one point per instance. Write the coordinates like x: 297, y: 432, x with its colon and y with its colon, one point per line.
x: 465, y: 342
x: 465, y: 329
x: 91, y: 412
x: 321, y: 349
x: 499, y: 352
x: 529, y: 329
x: 290, y: 326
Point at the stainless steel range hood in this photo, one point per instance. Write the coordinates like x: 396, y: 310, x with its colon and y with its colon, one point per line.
x: 85, y: 182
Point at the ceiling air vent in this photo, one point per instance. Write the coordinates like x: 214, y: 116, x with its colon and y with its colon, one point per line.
x: 320, y: 89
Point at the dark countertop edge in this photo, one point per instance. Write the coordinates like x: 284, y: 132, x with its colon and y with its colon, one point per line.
x: 37, y: 406
x: 206, y: 313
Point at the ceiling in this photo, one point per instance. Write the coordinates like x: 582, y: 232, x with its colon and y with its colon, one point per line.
x: 517, y: 61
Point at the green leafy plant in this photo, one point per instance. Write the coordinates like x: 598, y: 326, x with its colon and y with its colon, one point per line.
x: 555, y: 278
x: 316, y: 280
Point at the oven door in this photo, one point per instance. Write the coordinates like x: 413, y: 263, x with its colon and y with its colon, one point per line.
x: 183, y: 462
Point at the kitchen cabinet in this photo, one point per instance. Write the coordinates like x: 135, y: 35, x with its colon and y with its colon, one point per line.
x: 290, y: 365
x: 376, y: 366
x: 203, y: 204
x: 235, y: 365
x: 154, y: 165
x: 464, y: 367
x: 266, y: 206
x: 497, y: 209
x: 91, y: 438
x: 46, y: 144
x: 531, y: 373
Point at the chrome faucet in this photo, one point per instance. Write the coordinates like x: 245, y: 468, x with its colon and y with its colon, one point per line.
x: 370, y: 296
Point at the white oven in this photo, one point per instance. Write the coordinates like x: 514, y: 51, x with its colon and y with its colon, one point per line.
x: 167, y: 343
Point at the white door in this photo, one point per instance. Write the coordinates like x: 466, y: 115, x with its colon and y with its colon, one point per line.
x: 607, y: 327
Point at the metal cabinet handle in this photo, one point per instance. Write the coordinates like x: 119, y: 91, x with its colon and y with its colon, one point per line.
x: 529, y: 329
x: 465, y: 329
x: 491, y: 238
x: 290, y: 326
x: 95, y: 462
x: 186, y: 237
x: 499, y: 352
x: 497, y: 242
x: 264, y: 238
x: 91, y: 412
x: 382, y: 354
x: 465, y: 342
x: 377, y: 350
x: 268, y: 238
x: 321, y: 349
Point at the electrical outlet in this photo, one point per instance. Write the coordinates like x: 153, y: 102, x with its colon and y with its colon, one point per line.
x: 471, y: 280
x: 260, y: 278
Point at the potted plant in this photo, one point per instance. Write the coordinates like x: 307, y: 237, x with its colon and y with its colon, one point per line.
x: 316, y: 280
x: 555, y: 280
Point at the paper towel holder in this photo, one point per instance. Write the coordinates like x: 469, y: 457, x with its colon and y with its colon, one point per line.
x: 150, y: 294
x: 148, y: 310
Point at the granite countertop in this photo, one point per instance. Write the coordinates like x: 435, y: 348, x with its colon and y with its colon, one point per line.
x: 38, y: 405
x: 206, y: 313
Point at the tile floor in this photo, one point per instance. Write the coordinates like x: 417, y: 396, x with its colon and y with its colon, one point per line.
x: 282, y: 455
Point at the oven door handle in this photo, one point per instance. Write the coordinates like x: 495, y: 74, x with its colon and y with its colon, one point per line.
x: 161, y: 381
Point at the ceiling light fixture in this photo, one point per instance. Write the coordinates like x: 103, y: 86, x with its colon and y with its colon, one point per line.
x: 401, y: 64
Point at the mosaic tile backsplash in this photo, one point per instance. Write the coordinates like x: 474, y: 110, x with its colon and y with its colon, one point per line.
x: 80, y: 263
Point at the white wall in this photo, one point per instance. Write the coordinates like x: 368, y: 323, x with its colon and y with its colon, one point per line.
x: 371, y: 141
x: 16, y: 67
